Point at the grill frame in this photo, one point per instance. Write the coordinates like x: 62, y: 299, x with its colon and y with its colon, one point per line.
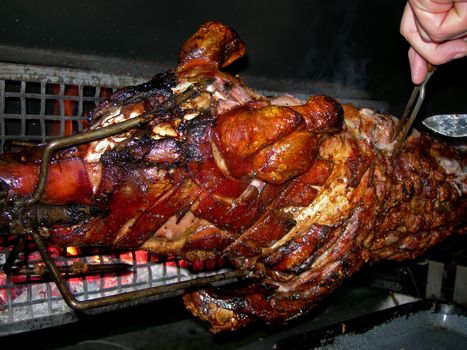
x: 157, y: 272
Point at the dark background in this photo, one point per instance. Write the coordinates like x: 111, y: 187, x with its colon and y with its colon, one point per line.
x: 349, y: 49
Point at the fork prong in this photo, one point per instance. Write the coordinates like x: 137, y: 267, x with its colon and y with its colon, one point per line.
x: 404, y: 125
x: 407, y: 109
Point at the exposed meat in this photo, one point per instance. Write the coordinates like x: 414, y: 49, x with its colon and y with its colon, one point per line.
x: 300, y: 195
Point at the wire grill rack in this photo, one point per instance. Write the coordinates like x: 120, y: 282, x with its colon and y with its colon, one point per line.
x: 43, y: 103
x: 28, y: 303
x: 39, y: 104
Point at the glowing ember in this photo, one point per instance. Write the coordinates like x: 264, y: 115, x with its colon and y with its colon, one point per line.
x: 72, y: 251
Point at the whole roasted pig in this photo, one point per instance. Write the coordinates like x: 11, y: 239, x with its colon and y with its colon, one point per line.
x: 298, y: 195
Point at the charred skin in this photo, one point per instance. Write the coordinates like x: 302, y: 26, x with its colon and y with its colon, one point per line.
x: 300, y: 195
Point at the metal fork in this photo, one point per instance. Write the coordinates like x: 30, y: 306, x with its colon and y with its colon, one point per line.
x: 405, y: 123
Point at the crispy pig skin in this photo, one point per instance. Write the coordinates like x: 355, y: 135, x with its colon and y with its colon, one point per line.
x: 370, y: 208
x: 298, y: 194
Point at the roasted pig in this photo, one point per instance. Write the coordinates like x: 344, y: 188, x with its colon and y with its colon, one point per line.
x: 297, y: 194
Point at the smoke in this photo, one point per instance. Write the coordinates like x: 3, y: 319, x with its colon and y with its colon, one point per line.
x: 333, y: 46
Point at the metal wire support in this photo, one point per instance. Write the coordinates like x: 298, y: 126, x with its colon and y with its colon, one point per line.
x: 10, y: 261
x: 39, y: 270
x: 79, y: 305
x: 73, y: 270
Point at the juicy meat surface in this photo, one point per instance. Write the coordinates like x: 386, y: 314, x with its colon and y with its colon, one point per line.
x: 298, y: 194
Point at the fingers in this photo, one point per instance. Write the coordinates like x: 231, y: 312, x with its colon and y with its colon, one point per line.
x: 423, y: 17
x: 436, y: 54
x: 440, y: 53
x: 438, y: 21
x: 408, y: 28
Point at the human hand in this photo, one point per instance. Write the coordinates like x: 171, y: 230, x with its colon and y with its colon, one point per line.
x: 436, y: 31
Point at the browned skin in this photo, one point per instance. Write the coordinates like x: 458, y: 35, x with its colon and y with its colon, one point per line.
x: 399, y: 210
x: 298, y: 195
x: 214, y: 44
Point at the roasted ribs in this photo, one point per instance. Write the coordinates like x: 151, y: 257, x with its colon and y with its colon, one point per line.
x: 297, y: 194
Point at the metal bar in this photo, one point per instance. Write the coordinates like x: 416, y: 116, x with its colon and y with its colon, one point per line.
x: 61, y: 103
x: 434, y: 280
x: 85, y: 282
x: 23, y: 108
x: 102, y: 281
x: 74, y: 269
x: 47, y: 96
x: 9, y: 298
x: 460, y: 285
x: 127, y: 296
x: 80, y: 107
x: 29, y: 296
x: 119, y: 283
x: 34, y: 116
x: 57, y: 75
x: 179, y: 277
x: 135, y: 271
x: 10, y: 261
x: 48, y: 291
x: 42, y: 111
x: 97, y: 95
x: 2, y: 120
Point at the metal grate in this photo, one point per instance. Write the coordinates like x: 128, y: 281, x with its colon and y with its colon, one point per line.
x: 37, y: 111
x: 26, y: 302
x: 38, y: 104
x: 42, y: 103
